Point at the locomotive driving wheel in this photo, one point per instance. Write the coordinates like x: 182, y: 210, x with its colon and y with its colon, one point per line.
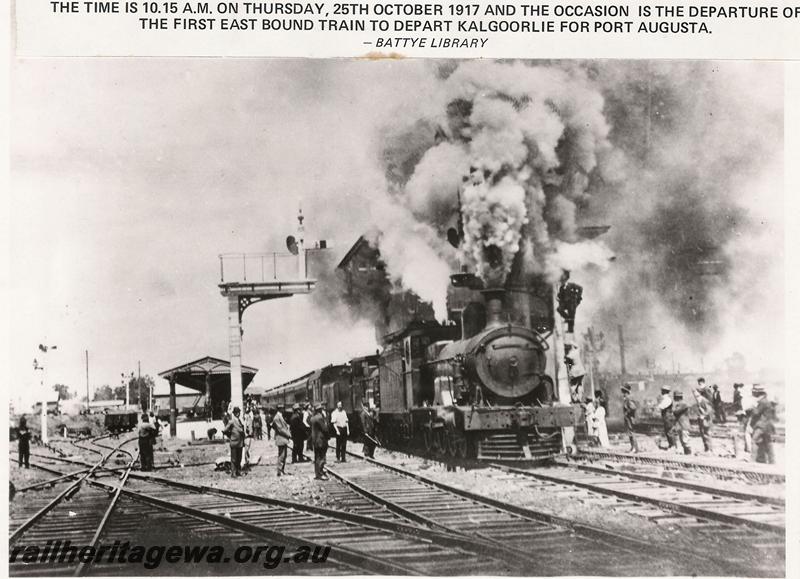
x: 405, y: 432
x: 439, y: 441
x: 458, y: 444
x: 447, y: 440
x: 427, y: 438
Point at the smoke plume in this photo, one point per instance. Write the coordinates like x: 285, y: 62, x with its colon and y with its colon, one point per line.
x: 695, y: 223
x: 508, y: 149
x: 681, y: 160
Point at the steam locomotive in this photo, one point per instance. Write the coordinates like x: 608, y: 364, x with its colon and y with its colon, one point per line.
x: 477, y: 386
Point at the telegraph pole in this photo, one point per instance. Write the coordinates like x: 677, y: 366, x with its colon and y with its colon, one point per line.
x: 88, y: 395
x: 621, y: 352
x: 41, y: 367
x: 43, y: 413
x: 127, y: 385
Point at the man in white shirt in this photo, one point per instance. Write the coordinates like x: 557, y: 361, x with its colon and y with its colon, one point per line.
x: 307, y: 413
x: 342, y: 428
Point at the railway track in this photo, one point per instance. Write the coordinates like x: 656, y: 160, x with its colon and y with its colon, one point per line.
x: 753, y: 473
x: 524, y: 533
x: 362, y: 544
x: 83, y: 515
x: 665, y: 500
x: 71, y: 514
x: 387, y: 521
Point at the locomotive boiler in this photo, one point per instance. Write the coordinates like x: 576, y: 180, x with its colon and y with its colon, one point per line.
x: 488, y: 393
x: 503, y: 364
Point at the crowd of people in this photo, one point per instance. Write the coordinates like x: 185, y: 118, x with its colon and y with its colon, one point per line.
x: 304, y: 427
x: 755, y: 414
x: 310, y: 428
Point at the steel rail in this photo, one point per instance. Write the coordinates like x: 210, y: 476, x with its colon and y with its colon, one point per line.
x: 69, y: 491
x: 602, y: 535
x: 445, y: 537
x: 362, y: 561
x: 440, y: 537
x: 74, y: 442
x: 749, y: 474
x: 487, y: 543
x: 52, y: 481
x: 84, y: 566
x: 473, y: 545
x: 392, y: 506
x: 664, y: 504
x: 223, y: 522
x: 674, y: 483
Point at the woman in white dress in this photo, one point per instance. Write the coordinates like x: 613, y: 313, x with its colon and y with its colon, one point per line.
x: 588, y: 409
x: 599, y: 429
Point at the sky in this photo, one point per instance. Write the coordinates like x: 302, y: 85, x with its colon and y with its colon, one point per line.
x: 130, y: 176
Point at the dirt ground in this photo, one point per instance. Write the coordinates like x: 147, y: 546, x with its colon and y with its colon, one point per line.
x: 260, y: 479
x: 721, y: 448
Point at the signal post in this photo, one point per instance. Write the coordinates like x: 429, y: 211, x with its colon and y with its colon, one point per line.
x: 243, y: 293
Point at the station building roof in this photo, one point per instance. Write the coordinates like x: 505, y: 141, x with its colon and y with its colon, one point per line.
x: 192, y: 375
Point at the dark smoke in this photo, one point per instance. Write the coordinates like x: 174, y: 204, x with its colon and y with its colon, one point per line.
x: 666, y: 153
x: 694, y: 140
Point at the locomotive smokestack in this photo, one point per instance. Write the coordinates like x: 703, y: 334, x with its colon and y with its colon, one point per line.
x: 495, y: 307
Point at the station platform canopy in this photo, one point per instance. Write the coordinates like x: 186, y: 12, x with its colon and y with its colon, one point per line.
x: 211, y: 378
x: 195, y: 374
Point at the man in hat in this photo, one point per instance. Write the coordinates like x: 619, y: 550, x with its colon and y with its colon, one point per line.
x: 368, y: 428
x: 282, y: 436
x: 247, y: 420
x: 319, y: 440
x: 629, y: 416
x: 682, y: 425
x: 235, y: 432
x: 719, y: 406
x: 704, y: 411
x: 743, y: 409
x: 269, y: 414
x: 737, y: 399
x: 258, y: 424
x: 341, y: 426
x: 667, y: 415
x: 762, y: 423
x: 24, y: 442
x: 575, y: 370
x: 308, y: 412
x: 147, y: 434
x: 588, y: 412
x: 298, y: 434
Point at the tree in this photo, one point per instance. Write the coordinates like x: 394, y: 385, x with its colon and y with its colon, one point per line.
x: 104, y: 393
x: 63, y: 392
x: 138, y: 389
